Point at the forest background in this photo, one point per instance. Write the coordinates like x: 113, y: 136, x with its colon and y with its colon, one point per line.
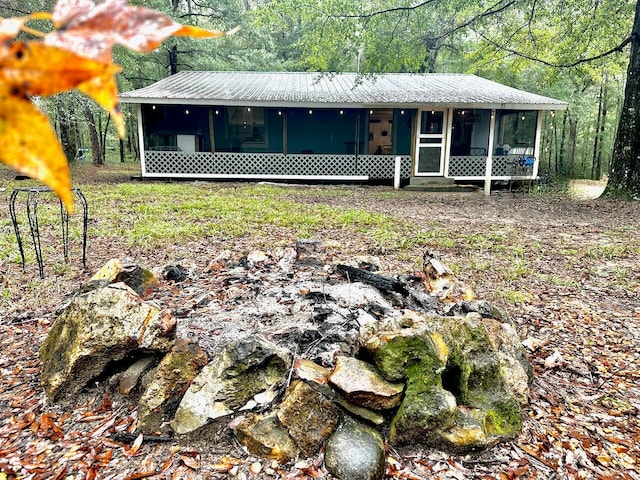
x: 575, y: 51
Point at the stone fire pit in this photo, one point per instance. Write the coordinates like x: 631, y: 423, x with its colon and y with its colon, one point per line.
x: 293, y: 354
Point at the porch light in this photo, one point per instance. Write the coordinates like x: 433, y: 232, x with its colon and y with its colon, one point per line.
x: 370, y: 112
x: 341, y: 112
x: 279, y: 112
x: 186, y: 112
x: 249, y: 109
x: 433, y: 112
x: 401, y: 112
x: 153, y: 107
x: 310, y: 112
x: 523, y: 118
x: 217, y: 112
x: 553, y: 114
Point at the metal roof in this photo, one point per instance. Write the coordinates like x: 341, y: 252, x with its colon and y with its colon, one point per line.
x: 292, y: 89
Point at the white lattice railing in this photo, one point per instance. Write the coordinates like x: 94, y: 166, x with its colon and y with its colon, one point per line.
x: 228, y: 164
x: 475, y: 167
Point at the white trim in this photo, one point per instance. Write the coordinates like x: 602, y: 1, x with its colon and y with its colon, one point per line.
x: 447, y: 142
x: 338, y: 105
x: 441, y: 136
x: 492, y: 134
x: 363, y: 178
x: 141, y: 140
x: 536, y: 148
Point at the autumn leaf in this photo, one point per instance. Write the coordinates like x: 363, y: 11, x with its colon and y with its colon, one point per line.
x: 104, y: 91
x: 29, y: 144
x: 10, y: 27
x: 23, y: 68
x: 91, y: 30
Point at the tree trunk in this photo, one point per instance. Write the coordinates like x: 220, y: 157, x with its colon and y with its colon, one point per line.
x: 624, y: 170
x: 96, y: 151
x: 571, y: 146
x: 173, y: 59
x: 563, y: 143
x: 595, y: 167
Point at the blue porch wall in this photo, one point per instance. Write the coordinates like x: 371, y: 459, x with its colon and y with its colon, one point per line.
x: 321, y: 131
x: 324, y: 131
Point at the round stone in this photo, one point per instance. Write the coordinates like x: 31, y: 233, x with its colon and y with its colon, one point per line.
x: 355, y: 452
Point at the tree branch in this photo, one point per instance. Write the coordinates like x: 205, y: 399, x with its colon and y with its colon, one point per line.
x: 385, y: 11
x: 617, y: 49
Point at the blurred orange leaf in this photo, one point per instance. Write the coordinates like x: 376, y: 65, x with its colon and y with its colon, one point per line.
x: 76, y: 54
x: 29, y: 144
x: 10, y: 27
x: 104, y: 91
x: 39, y: 70
x: 91, y: 30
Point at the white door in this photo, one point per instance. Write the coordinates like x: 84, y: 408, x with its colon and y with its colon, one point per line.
x: 430, y: 143
x: 187, y: 143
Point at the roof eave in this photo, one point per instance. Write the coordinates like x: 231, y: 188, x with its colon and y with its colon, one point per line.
x: 307, y: 104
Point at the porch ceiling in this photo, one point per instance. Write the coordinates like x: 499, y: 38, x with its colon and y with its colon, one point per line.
x: 345, y: 90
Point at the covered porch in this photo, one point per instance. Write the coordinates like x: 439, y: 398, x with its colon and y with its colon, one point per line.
x: 296, y: 126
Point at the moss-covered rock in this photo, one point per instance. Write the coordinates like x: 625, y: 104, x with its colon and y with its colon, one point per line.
x: 466, y: 378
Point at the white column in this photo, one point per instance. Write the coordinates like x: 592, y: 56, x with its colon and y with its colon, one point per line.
x: 396, y: 173
x: 141, y: 141
x: 487, y: 173
x: 447, y: 142
x: 536, y: 148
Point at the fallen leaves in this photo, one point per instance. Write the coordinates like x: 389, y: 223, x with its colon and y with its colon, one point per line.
x: 582, y: 421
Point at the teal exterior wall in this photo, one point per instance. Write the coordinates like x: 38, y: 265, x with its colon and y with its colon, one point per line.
x: 313, y: 131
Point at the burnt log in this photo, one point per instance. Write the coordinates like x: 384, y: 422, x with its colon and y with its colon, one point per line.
x: 382, y: 283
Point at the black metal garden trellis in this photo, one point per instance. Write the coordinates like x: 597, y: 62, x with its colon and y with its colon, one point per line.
x: 32, y: 194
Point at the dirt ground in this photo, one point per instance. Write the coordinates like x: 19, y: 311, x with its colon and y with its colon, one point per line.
x: 566, y: 269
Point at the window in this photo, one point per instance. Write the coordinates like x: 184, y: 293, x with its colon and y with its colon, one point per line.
x: 517, y: 132
x: 246, y: 126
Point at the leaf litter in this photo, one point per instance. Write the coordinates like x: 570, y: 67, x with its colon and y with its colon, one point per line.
x: 578, y: 312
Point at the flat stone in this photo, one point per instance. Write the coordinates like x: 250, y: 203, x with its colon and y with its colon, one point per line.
x: 308, y: 417
x: 172, y: 377
x: 355, y: 452
x: 131, y: 376
x: 363, y: 385
x: 263, y: 435
x: 311, y: 371
x: 135, y: 276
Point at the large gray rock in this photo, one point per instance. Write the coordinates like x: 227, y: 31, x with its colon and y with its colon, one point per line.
x: 246, y: 373
x: 95, y: 330
x: 355, y: 452
x: 466, y: 378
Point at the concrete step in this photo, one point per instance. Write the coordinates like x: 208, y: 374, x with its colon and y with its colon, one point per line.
x: 437, y: 184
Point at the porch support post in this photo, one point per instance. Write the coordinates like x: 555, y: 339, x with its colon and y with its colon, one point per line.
x: 141, y: 141
x: 212, y: 135
x: 285, y: 133
x: 536, y: 148
x: 447, y: 142
x: 489, y: 167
